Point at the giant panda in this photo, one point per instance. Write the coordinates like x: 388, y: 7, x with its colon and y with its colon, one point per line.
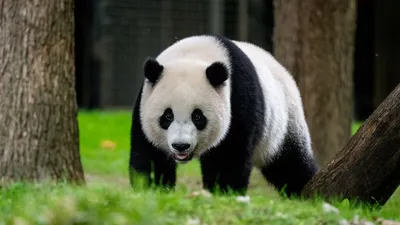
x: 228, y: 103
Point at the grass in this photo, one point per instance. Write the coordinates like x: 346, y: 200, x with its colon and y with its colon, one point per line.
x: 107, y: 198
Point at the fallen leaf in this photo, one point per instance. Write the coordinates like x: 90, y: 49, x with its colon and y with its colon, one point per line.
x: 108, y: 144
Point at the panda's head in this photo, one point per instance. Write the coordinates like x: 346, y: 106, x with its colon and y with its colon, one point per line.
x: 185, y: 106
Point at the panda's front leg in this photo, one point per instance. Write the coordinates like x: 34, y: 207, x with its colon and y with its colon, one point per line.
x: 209, y: 169
x: 139, y: 166
x: 164, y: 170
x: 226, y: 173
x: 147, y: 160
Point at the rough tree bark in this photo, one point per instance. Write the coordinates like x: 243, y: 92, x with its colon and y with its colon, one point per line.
x: 387, y: 49
x: 314, y: 40
x: 368, y: 168
x: 38, y: 111
x: 286, y: 32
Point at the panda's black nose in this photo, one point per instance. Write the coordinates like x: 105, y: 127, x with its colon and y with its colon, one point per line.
x: 180, y: 146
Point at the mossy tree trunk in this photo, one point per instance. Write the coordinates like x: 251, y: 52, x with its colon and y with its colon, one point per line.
x: 38, y: 111
x: 368, y: 168
x: 314, y: 40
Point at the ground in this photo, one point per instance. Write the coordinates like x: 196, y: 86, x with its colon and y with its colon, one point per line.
x: 104, y: 141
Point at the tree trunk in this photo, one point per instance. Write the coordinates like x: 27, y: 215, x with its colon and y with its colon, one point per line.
x: 286, y: 42
x: 368, y: 167
x: 314, y: 40
x: 38, y: 111
x: 387, y: 48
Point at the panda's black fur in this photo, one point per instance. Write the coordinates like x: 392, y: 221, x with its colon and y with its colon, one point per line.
x: 229, y: 165
x: 145, y: 159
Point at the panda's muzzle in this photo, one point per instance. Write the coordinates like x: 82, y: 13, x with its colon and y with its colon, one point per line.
x: 181, y: 153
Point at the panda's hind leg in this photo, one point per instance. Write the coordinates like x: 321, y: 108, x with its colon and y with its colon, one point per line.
x: 291, y: 168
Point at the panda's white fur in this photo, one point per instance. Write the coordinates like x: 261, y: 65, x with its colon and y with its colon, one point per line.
x: 198, y: 53
x: 281, y: 98
x: 186, y: 61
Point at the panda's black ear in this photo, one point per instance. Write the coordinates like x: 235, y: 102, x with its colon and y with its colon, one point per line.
x: 152, y: 70
x: 217, y: 73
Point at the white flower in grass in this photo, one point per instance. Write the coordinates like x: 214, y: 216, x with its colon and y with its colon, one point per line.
x: 193, y: 221
x: 329, y: 208
x: 243, y: 199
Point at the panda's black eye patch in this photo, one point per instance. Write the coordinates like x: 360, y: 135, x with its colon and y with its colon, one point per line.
x: 199, y: 120
x: 166, y: 118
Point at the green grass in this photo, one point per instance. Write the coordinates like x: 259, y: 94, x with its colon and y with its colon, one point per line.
x: 107, y: 198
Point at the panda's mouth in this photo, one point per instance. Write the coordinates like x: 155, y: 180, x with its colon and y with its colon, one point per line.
x: 183, y: 157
